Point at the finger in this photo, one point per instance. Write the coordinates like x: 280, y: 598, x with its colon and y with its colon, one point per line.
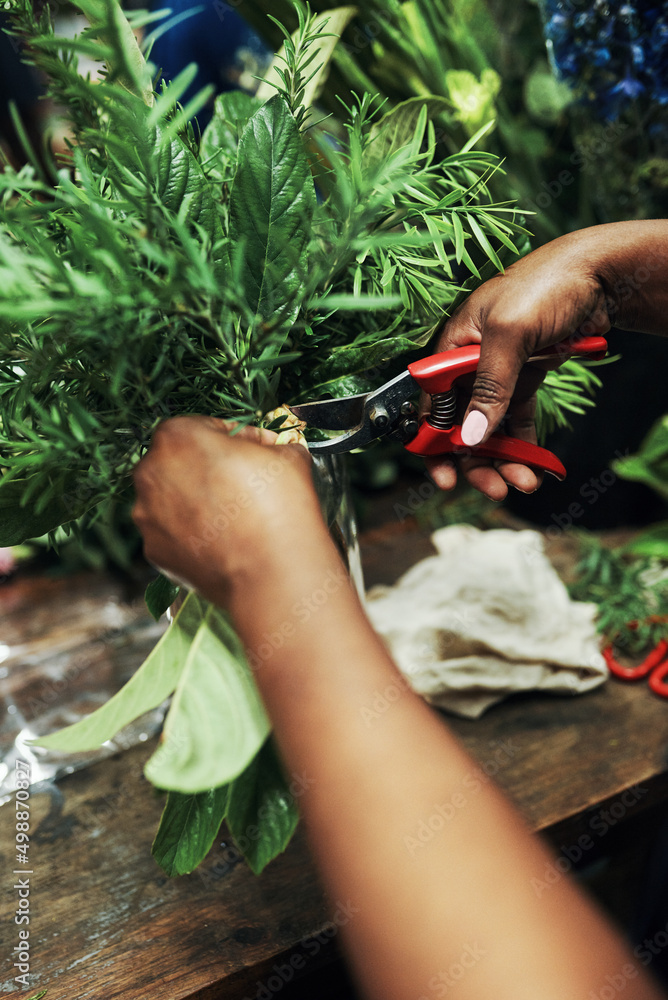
x: 499, y: 366
x: 482, y: 475
x: 460, y: 330
x: 442, y: 471
x: 230, y: 428
x: 521, y: 477
x: 520, y: 424
x: 260, y: 435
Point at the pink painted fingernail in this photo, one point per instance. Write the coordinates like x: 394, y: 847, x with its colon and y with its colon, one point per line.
x: 474, y: 428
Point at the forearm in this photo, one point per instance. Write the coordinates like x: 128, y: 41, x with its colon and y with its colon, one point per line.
x: 418, y: 908
x: 630, y: 260
x: 466, y: 903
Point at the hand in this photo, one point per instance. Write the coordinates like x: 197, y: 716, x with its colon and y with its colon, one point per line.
x: 213, y: 507
x: 548, y: 296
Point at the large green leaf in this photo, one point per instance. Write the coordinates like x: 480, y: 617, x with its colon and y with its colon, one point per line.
x: 261, y: 811
x: 21, y: 520
x: 220, y: 139
x: 216, y: 722
x: 184, y: 189
x: 188, y: 827
x: 271, y: 208
x: 153, y: 682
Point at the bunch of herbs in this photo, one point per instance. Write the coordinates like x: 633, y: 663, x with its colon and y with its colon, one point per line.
x: 154, y: 275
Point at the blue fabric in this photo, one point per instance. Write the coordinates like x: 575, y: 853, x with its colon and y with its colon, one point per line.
x: 17, y: 81
x: 210, y: 37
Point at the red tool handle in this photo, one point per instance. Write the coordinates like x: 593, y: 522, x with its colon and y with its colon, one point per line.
x: 658, y: 680
x: 435, y: 441
x: 438, y: 372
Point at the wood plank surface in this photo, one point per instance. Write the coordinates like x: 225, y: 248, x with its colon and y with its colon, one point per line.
x: 105, y: 921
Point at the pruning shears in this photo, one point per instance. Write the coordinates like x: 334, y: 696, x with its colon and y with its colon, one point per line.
x: 390, y: 411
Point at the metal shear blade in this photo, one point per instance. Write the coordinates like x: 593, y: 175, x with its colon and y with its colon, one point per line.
x: 364, y: 417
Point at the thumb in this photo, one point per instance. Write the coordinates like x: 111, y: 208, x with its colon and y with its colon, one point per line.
x: 497, y: 373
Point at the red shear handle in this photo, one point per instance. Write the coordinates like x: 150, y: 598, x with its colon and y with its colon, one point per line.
x: 658, y: 680
x: 438, y: 372
x: 434, y: 441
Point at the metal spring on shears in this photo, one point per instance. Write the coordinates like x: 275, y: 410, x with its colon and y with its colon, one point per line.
x: 443, y: 406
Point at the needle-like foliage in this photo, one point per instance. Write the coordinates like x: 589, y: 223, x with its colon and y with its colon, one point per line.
x: 156, y: 275
x: 154, y: 278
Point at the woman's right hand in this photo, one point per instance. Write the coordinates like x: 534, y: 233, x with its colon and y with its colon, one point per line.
x: 574, y: 286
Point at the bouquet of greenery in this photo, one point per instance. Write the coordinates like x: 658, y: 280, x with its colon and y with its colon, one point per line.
x: 156, y: 274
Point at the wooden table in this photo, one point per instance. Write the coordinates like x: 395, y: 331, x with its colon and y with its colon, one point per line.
x: 105, y: 921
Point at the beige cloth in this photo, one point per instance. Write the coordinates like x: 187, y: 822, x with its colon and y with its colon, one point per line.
x: 486, y: 617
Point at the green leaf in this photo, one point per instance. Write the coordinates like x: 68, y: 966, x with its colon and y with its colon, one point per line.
x: 261, y: 812
x: 483, y: 242
x: 153, y: 682
x: 654, y: 448
x: 220, y: 139
x: 184, y: 189
x: 110, y: 24
x: 216, y: 722
x: 636, y: 469
x: 397, y: 128
x: 326, y: 29
x: 437, y: 238
x: 459, y: 236
x: 545, y: 96
x: 21, y: 520
x: 650, y: 464
x: 652, y: 543
x: 271, y: 210
x: 188, y: 828
x: 350, y: 302
x: 345, y: 361
x: 160, y: 595
x: 473, y: 99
